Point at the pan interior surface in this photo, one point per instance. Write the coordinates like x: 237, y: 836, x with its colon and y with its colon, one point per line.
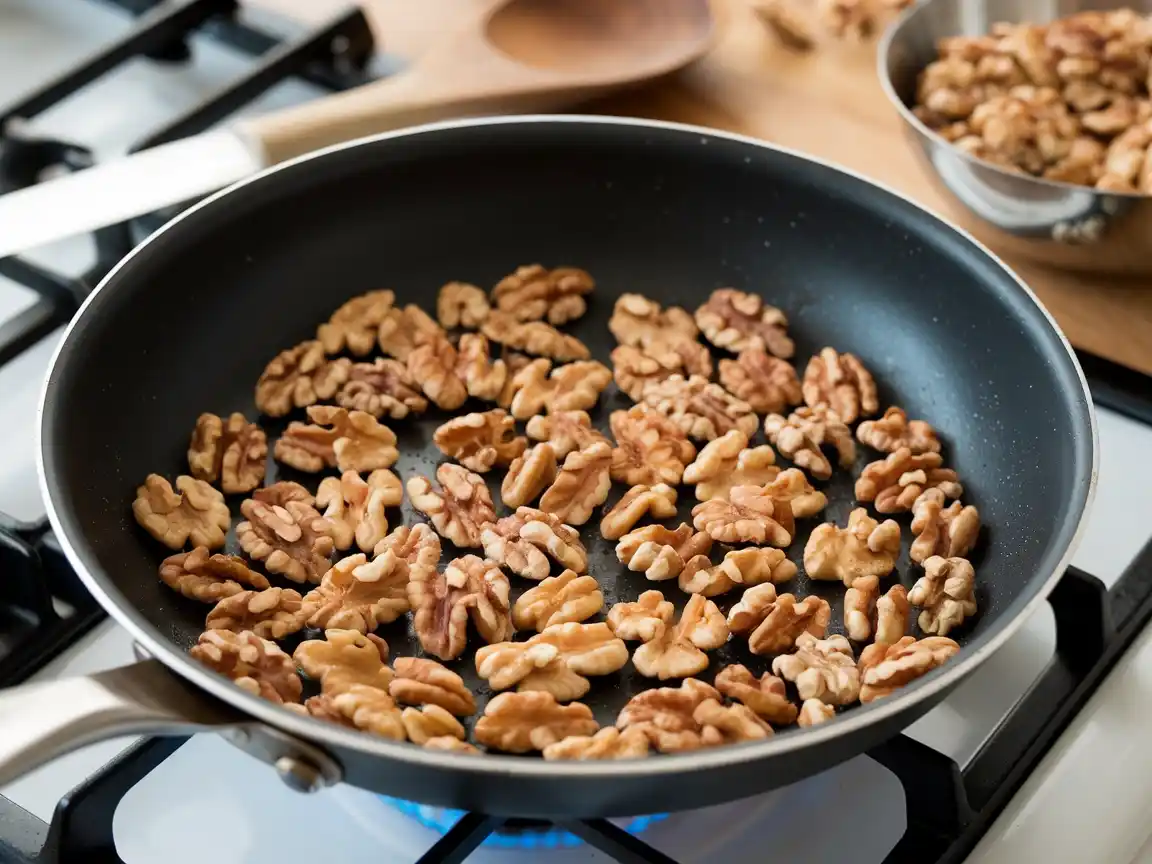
x: 188, y: 323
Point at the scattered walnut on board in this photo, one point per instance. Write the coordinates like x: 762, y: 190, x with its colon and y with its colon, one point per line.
x: 524, y: 541
x: 864, y: 548
x: 273, y: 613
x: 866, y: 611
x: 194, y: 511
x: 558, y: 600
x: 949, y: 532
x: 701, y: 409
x: 353, y: 326
x: 255, y: 665
x: 676, y: 650
x: 460, y: 510
x: 298, y: 377
x: 813, y: 712
x: 841, y: 382
x: 420, y: 681
x: 650, y: 447
x: 481, y: 440
x: 661, y: 553
x: 533, y: 337
x: 289, y: 539
x: 529, y: 474
x: 410, y: 543
x: 581, y: 485
x: 667, y: 716
x: 443, y: 603
x: 642, y: 323
x: 371, y: 710
x: 200, y: 575
x: 608, y: 743
x: 460, y: 304
x: 749, y: 515
x: 483, y: 377
x: 894, y: 431
x: 821, y: 669
x: 355, y: 508
x: 358, y: 594
x: 533, y: 293
x: 354, y: 441
x: 232, y: 451
x: 432, y: 365
x: 773, y: 622
x: 766, y: 695
x: 343, y: 658
x: 801, y: 435
x: 565, y: 431
x: 382, y: 388
x: 946, y: 594
x: 767, y: 383
x: 737, y: 320
x: 884, y: 669
x: 401, y: 330
x: 727, y: 461
x: 532, y: 720
x: 896, y: 482
x: 654, y: 502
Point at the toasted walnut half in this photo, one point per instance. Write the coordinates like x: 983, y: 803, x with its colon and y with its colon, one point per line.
x: 801, y: 434
x: 565, y: 431
x: 756, y: 565
x: 884, y: 669
x: 420, y: 681
x: 371, y: 710
x: 946, y: 593
x: 894, y: 431
x: 461, y: 305
x: 382, y: 388
x: 571, y: 387
x: 643, y: 619
x: 232, y: 452
x: 700, y: 577
x: 581, y: 486
x: 424, y: 724
x: 532, y: 720
x: 557, y: 600
x: 469, y: 587
x: 461, y: 510
x: 533, y: 292
x: 661, y: 553
x: 658, y: 502
x: 432, y: 365
x: 860, y: 607
x: 195, y: 512
x: 895, y: 483
x: 813, y: 712
x: 297, y: 378
x: 770, y: 385
x: 773, y: 622
x: 255, y: 665
x: 641, y: 322
x: 524, y: 541
x: 200, y: 575
x: 635, y: 369
x: 451, y: 745
x: 750, y: 515
x: 483, y: 377
x: 864, y: 548
x: 529, y: 474
x: 534, y: 337
x: 279, y: 494
x: 841, y: 382
x: 726, y: 462
x: 667, y: 716
x: 355, y: 441
x: 271, y: 614
x: 821, y: 669
x: 289, y: 539
x: 481, y: 440
x: 737, y: 320
x: 766, y: 695
x: 355, y: 508
x: 949, y: 532
x: 354, y: 324
x: 531, y: 666
x: 701, y: 409
x: 677, y: 650
x: 409, y: 543
x: 343, y: 658
x: 608, y: 743
x: 793, y: 486
x: 401, y: 330
x: 358, y: 594
x: 729, y: 724
x: 892, y: 614
x: 650, y: 448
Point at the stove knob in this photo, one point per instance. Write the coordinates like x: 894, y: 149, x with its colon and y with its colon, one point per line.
x: 300, y: 774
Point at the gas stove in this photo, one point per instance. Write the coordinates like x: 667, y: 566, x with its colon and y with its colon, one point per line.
x: 997, y: 773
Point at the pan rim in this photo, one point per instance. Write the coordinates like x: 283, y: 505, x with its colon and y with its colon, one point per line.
x: 321, y: 734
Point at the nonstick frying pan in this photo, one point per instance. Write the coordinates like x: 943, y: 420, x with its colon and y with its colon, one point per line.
x: 187, y: 322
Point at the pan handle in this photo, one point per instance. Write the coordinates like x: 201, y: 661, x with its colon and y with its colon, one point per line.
x: 39, y: 722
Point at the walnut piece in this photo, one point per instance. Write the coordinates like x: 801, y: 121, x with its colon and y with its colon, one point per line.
x: 343, y: 658
x: 701, y: 409
x: 532, y: 720
x: 533, y: 337
x: 737, y: 320
x: 813, y: 712
x: 821, y: 669
x: 409, y: 543
x: 661, y: 553
x: 767, y: 383
x: 642, y: 619
x: 801, y: 434
x: 667, y: 716
x: 290, y: 540
x: 864, y: 548
x: 483, y: 377
x: 884, y: 669
x: 200, y: 575
x: 355, y: 508
x: 528, y: 389
x: 524, y: 541
x: 755, y: 566
x: 297, y: 378
x: 271, y: 614
x: 792, y: 486
x: 565, y: 431
x: 860, y: 607
x: 894, y: 431
x: 420, y: 681
x: 571, y: 387
x: 727, y: 461
x: 642, y: 323
x: 469, y: 587
x: 896, y: 482
x: 193, y: 512
x: 554, y: 661
x: 634, y: 369
x: 424, y: 724
x: 581, y: 485
x: 608, y: 743
x: 481, y: 440
x: 729, y: 724
x: 892, y: 614
x: 533, y: 293
x: 657, y: 502
x: 255, y: 665
x: 382, y: 388
x: 946, y: 593
x: 451, y: 745
x: 774, y: 622
x: 461, y: 510
x: 840, y: 382
x: 358, y: 594
x: 279, y: 494
x: 356, y: 441
x: 677, y: 650
x: 370, y: 709
x: 766, y: 695
x: 700, y: 577
x: 461, y: 305
x: 650, y: 448
x: 432, y: 365
x: 529, y: 474
x: 750, y: 515
x: 354, y: 324
x: 402, y: 330
x: 558, y: 600
x: 949, y: 532
x: 232, y: 452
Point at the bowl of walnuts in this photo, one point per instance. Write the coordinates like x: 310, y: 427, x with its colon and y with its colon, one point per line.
x: 1037, y: 118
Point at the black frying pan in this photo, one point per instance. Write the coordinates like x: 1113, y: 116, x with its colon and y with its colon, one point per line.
x: 189, y: 320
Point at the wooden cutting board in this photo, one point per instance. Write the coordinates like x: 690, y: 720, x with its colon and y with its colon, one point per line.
x: 828, y: 103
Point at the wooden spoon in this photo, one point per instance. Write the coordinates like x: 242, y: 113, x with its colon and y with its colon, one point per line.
x: 503, y: 56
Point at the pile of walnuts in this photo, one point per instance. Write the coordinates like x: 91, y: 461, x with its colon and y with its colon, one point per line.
x: 294, y: 617
x: 1066, y: 101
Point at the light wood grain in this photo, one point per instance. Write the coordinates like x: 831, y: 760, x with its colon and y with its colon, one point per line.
x: 827, y: 103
